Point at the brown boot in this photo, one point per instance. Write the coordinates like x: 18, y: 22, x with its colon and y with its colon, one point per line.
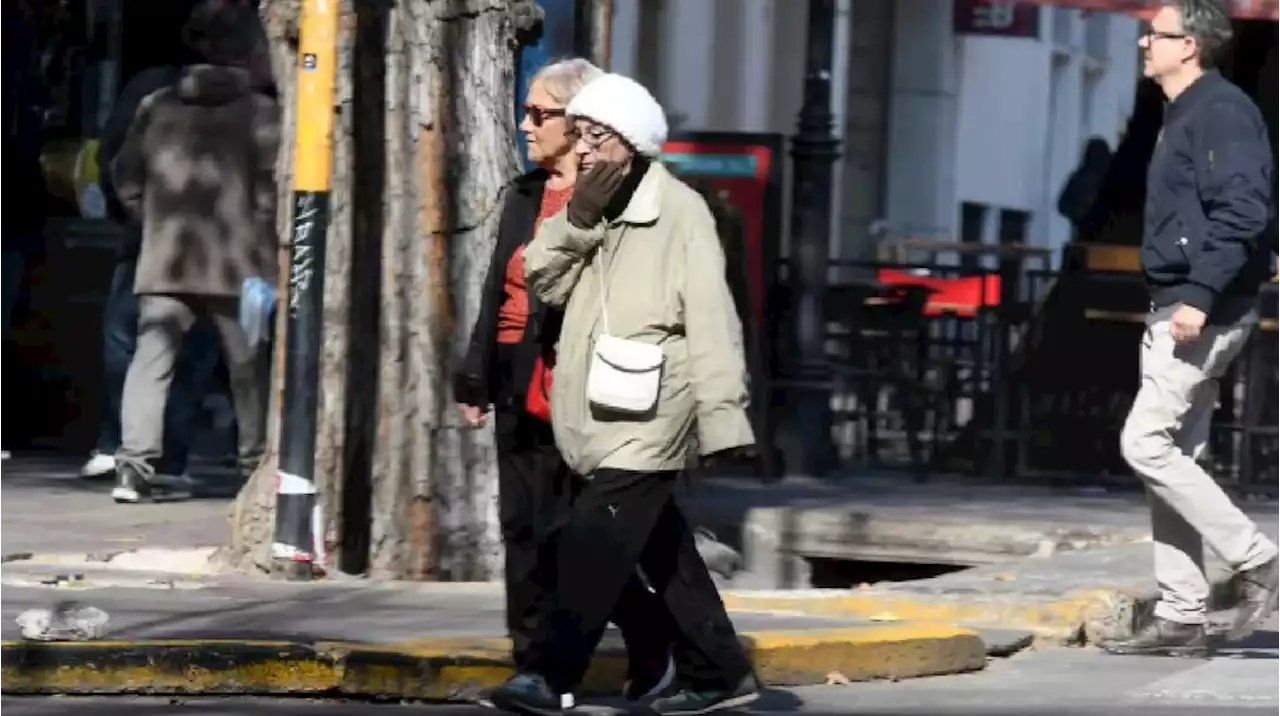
x: 1162, y: 637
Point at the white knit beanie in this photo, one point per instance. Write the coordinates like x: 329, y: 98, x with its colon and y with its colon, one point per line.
x: 625, y: 106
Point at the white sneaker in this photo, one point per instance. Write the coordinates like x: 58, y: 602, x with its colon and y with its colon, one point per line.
x: 4, y: 454
x: 99, y: 465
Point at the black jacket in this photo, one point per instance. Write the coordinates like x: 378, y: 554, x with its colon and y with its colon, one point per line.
x: 1208, y: 202
x: 478, y: 381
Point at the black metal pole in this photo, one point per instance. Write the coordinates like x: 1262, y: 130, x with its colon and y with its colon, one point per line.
x: 294, y: 550
x: 814, y: 151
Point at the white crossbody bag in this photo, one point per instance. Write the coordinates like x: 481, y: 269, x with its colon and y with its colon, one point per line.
x: 625, y: 375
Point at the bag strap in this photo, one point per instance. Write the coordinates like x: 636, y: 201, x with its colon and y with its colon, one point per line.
x: 604, y: 294
x: 600, y: 270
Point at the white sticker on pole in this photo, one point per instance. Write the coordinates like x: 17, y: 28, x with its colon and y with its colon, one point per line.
x: 317, y: 535
x: 288, y: 483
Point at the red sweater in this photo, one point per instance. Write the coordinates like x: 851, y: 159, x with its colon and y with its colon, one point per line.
x: 513, y: 314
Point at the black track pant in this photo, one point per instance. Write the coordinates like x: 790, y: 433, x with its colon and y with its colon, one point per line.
x: 536, y: 493
x: 622, y: 519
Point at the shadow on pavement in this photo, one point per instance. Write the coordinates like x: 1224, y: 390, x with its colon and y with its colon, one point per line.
x: 1259, y: 645
x: 209, y: 480
x: 773, y: 701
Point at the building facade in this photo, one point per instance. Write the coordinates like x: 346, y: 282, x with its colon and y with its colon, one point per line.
x: 956, y: 117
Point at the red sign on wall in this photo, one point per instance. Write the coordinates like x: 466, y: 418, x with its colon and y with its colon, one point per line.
x: 1242, y: 9
x: 992, y: 17
x: 744, y: 170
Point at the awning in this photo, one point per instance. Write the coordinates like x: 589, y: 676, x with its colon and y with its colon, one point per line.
x: 1242, y: 9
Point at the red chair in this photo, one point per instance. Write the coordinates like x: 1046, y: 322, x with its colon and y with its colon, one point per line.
x: 961, y: 296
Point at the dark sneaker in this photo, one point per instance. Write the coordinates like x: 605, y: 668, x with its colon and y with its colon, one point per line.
x: 1163, y: 638
x: 1256, y: 591
x: 530, y: 694
x: 131, y: 486
x: 692, y: 703
x: 647, y: 678
x: 170, y: 487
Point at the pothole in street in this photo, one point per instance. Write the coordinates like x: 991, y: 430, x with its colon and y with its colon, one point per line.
x: 848, y: 574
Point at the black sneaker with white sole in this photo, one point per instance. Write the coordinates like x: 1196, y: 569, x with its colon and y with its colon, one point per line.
x: 693, y: 703
x: 132, y: 487
x: 529, y: 694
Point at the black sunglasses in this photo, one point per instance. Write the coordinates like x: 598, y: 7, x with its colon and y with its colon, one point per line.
x: 537, y: 115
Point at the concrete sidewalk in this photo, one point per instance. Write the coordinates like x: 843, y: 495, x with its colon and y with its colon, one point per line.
x: 1065, y: 566
x: 782, y: 528
x: 410, y: 641
x: 1069, y: 599
x: 47, y: 508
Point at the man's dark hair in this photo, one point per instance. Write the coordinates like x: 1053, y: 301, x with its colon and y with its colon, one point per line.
x: 224, y: 32
x: 1208, y: 22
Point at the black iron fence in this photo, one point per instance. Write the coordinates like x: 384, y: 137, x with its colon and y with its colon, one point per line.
x: 1014, y: 373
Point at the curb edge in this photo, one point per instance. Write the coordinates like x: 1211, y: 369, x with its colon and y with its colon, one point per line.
x: 448, y: 669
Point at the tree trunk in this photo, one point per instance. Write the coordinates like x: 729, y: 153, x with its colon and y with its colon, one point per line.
x: 450, y: 79
x: 424, y: 144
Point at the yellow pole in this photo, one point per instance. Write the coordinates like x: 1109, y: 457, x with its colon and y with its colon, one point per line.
x: 317, y: 60
x: 296, y: 547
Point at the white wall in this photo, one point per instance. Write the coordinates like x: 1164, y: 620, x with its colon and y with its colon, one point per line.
x: 1003, y: 110
x: 921, y: 197
x: 927, y: 119
x: 1027, y: 107
x: 864, y: 127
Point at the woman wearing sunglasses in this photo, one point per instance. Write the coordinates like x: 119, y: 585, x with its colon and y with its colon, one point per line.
x: 508, y: 369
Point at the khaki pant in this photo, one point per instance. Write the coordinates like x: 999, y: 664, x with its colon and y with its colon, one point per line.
x: 1167, y: 429
x: 163, y: 320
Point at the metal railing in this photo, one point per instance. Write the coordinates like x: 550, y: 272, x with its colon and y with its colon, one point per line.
x: 1033, y: 386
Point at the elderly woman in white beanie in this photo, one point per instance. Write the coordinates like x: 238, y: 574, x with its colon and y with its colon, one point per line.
x: 650, y: 367
x: 506, y: 371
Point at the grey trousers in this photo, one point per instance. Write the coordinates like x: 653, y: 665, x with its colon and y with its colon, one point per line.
x: 163, y: 320
x: 1167, y: 429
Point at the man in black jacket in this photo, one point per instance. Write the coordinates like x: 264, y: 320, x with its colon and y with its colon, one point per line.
x: 1204, y: 255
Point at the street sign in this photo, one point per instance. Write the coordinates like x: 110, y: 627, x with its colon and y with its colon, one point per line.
x: 992, y: 17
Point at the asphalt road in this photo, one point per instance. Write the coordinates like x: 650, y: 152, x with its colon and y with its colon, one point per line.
x: 1065, y: 682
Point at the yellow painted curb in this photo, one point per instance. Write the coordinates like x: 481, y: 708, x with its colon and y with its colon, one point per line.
x: 898, y: 651
x: 1091, y: 614
x: 450, y: 669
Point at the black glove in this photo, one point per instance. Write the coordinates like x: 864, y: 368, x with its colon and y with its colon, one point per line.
x: 593, y: 193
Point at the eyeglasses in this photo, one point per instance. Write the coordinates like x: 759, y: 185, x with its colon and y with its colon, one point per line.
x: 1152, y: 34
x: 593, y: 138
x: 537, y: 115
